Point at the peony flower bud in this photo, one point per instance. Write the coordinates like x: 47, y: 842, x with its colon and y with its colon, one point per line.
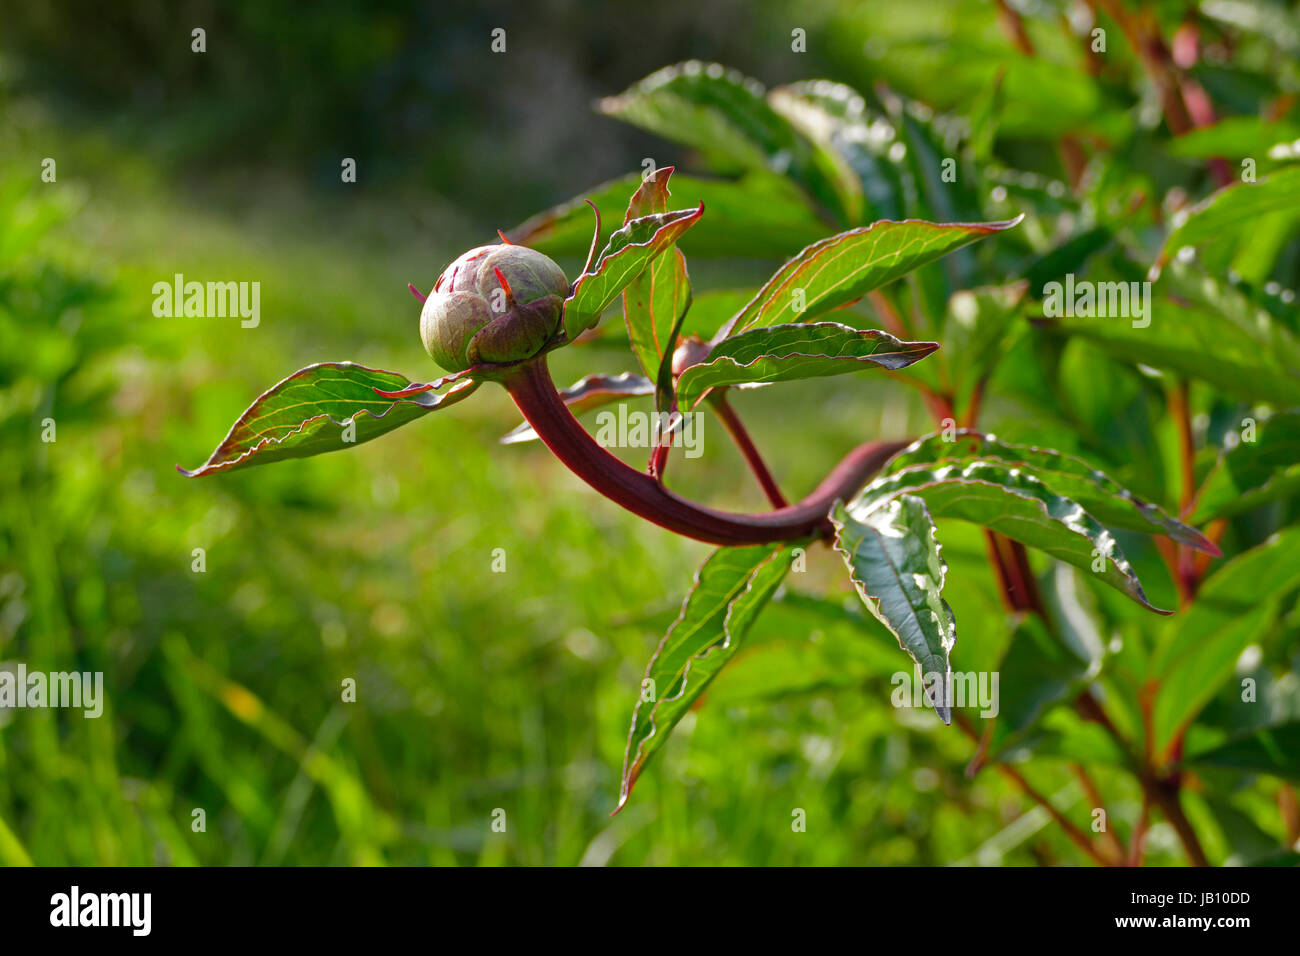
x: 493, y: 304
x: 692, y: 351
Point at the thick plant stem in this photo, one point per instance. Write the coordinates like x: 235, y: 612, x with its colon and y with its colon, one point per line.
x: 1019, y: 589
x: 530, y: 385
x: 1181, y: 409
x: 736, y: 429
x: 1094, y: 796
x: 1165, y: 794
x: 1138, y: 841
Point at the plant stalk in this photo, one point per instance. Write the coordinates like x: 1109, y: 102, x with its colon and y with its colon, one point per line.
x: 736, y: 429
x: 530, y: 385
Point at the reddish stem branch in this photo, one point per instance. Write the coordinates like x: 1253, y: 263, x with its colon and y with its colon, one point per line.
x: 1165, y: 794
x: 1185, y: 103
x: 1180, y: 408
x: 1138, y: 840
x: 736, y: 429
x: 1162, y: 791
x: 1094, y: 797
x: 530, y: 385
x: 888, y: 315
x: 1019, y: 589
x: 1076, y: 836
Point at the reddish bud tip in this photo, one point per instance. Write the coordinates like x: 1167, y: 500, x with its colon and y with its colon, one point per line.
x: 510, y: 296
x: 503, y: 238
x: 416, y: 292
x: 405, y: 392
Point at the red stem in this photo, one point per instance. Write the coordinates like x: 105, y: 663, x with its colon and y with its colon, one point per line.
x: 530, y: 385
x: 740, y: 436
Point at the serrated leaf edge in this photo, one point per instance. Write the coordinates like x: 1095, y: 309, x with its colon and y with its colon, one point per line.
x: 632, y: 768
x: 943, y: 712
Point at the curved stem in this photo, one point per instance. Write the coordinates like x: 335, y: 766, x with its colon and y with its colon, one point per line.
x: 530, y: 385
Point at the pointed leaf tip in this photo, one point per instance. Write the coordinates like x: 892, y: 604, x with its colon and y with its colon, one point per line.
x: 626, y: 255
x: 731, y: 588
x: 1099, y: 495
x: 839, y: 269
x: 318, y: 409
x: 795, y: 351
x: 896, y: 565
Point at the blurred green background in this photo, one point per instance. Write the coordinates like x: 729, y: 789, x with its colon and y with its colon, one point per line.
x: 476, y: 690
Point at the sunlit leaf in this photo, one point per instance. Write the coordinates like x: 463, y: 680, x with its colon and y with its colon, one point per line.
x: 845, y: 267
x: 655, y: 300
x: 626, y: 255
x: 1017, y: 505
x: 799, y: 105
x: 1255, y: 472
x: 895, y: 563
x: 1100, y: 496
x: 731, y: 588
x: 786, y: 352
x: 838, y: 116
x: 727, y: 118
x: 1234, y: 608
x: 324, y: 408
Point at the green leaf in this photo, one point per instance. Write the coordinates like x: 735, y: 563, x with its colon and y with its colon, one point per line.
x: 843, y: 268
x: 895, y: 563
x: 308, y: 412
x: 1221, y: 339
x: 985, y: 113
x: 1072, y: 255
x: 974, y: 328
x: 1232, y: 211
x: 933, y: 158
x: 726, y: 117
x: 709, y: 310
x: 763, y: 217
x: 627, y: 254
x: 1271, y: 750
x: 1234, y: 608
x: 799, y: 105
x: 836, y: 116
x: 1236, y: 137
x: 656, y: 300
x: 1098, y: 494
x: 1254, y: 472
x: 1015, y: 504
x: 651, y: 196
x: 587, y: 393
x: 1037, y: 671
x: 731, y: 588
x: 786, y: 352
x: 805, y: 645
